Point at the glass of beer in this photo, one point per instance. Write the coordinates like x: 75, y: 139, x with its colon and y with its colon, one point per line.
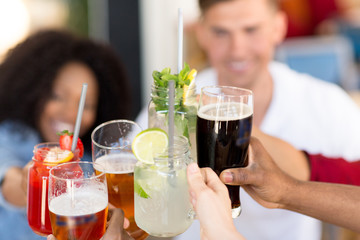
x: 223, y: 132
x: 111, y: 149
x: 78, y: 201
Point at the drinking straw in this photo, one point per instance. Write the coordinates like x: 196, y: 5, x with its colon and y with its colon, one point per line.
x: 171, y: 87
x: 79, y: 116
x: 180, y: 39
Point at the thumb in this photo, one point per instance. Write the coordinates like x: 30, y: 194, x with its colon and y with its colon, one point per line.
x: 236, y: 176
x: 251, y: 173
x: 195, y: 179
x: 115, y: 225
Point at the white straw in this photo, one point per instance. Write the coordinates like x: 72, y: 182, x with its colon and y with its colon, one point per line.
x: 79, y: 116
x: 180, y: 40
x: 171, y: 120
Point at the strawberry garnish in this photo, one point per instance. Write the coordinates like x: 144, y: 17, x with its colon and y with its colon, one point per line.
x: 66, y: 139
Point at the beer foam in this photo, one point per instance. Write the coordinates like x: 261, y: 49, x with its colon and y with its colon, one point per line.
x: 120, y: 163
x: 225, y: 111
x: 88, y: 200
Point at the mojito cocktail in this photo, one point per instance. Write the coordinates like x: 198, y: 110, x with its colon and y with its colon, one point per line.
x: 162, y: 201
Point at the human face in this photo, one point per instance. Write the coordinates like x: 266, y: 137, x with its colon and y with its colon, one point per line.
x: 61, y: 110
x: 239, y: 38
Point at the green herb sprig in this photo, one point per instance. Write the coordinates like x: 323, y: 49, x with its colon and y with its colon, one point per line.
x: 160, y: 99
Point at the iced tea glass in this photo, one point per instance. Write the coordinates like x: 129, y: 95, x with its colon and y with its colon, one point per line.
x: 37, y: 190
x: 78, y: 201
x: 111, y: 148
x: 223, y: 132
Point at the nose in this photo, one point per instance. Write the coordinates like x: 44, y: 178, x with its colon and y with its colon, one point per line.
x: 70, y: 112
x: 237, y: 45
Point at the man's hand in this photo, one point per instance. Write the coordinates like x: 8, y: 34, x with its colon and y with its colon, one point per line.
x: 262, y: 179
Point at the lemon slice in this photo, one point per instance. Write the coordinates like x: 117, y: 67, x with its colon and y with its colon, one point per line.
x: 148, y: 143
x: 189, y: 90
x: 57, y: 155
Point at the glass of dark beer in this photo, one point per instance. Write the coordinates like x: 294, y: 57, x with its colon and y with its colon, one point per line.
x: 78, y: 201
x: 224, y: 122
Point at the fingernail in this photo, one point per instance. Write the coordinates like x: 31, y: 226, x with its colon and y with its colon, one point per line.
x: 193, y: 168
x: 228, y: 177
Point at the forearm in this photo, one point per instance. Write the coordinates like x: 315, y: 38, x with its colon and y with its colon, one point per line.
x: 333, y: 203
x: 11, y: 187
x: 288, y: 158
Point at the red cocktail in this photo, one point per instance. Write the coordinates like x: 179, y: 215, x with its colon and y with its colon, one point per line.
x: 46, y: 155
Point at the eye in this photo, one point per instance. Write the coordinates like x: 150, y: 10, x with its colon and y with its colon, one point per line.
x: 251, y: 29
x: 218, y: 32
x: 56, y: 97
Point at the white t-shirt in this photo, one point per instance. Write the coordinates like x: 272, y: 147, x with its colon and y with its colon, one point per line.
x: 312, y: 115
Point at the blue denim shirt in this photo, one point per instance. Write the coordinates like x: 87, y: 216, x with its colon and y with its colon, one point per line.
x: 17, y: 142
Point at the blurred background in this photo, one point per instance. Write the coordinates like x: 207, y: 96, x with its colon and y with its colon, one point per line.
x: 142, y: 32
x: 323, y: 39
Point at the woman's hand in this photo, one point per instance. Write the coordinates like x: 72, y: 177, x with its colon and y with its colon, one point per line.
x: 210, y: 199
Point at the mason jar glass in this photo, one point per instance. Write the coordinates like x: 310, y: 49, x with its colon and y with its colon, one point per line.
x: 185, y: 114
x: 162, y: 200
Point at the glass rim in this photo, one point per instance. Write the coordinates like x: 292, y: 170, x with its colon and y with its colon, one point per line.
x: 108, y: 123
x: 245, y: 90
x: 101, y: 170
x: 50, y: 144
x: 181, y: 146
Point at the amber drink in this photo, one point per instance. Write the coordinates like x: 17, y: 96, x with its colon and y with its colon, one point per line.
x: 78, y: 201
x: 111, y: 145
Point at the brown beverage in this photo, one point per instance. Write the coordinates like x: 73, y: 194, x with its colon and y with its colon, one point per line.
x: 83, y: 219
x: 119, y: 170
x: 223, y: 137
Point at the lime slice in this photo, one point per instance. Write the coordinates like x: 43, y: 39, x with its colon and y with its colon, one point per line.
x: 57, y: 155
x: 140, y: 191
x: 148, y: 143
x: 189, y: 90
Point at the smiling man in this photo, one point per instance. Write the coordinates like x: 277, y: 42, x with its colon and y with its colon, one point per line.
x: 239, y: 38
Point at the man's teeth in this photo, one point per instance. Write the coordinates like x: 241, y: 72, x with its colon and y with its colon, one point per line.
x: 238, y: 65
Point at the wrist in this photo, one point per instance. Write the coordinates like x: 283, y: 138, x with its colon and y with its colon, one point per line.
x: 288, y: 195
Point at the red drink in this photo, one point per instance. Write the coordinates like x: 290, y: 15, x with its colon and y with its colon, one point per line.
x: 38, y: 181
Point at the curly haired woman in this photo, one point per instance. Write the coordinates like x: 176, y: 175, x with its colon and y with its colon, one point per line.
x: 40, y: 88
